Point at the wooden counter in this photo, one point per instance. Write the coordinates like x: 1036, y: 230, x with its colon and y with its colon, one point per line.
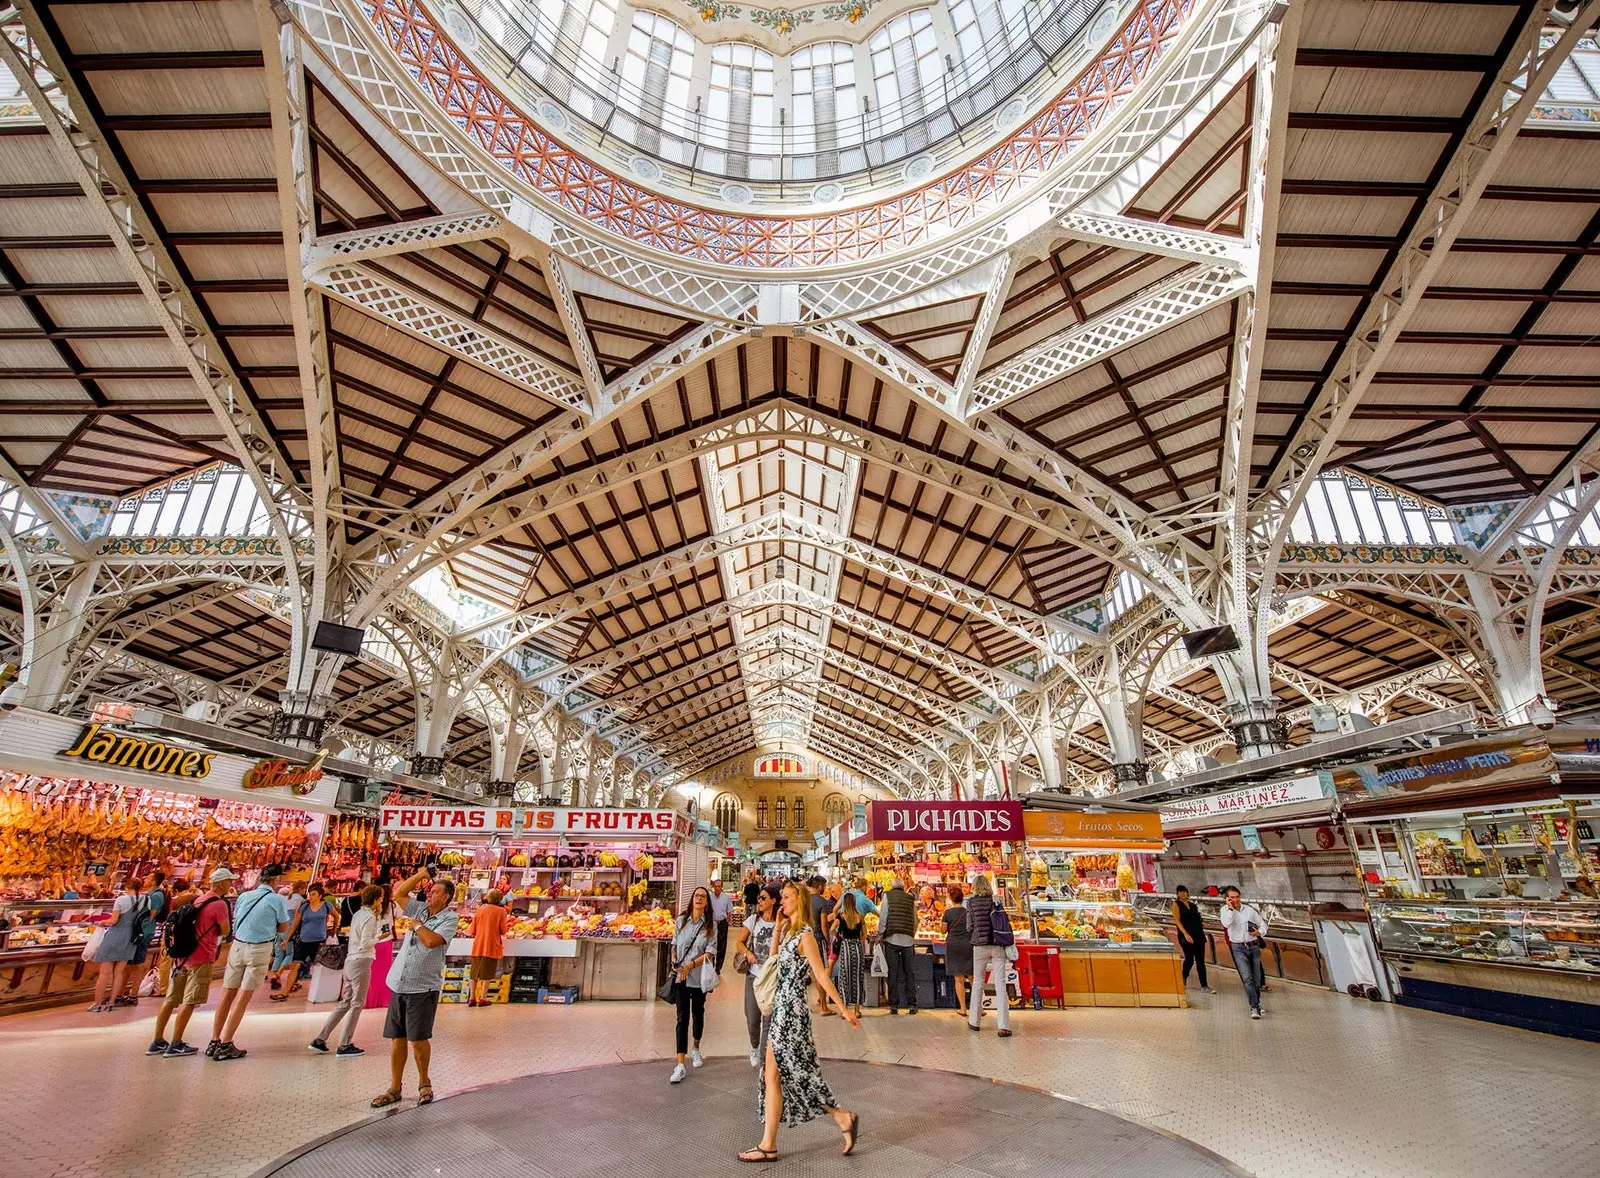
x: 1144, y: 976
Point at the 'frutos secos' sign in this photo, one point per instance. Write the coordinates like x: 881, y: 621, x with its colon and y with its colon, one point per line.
x: 994, y: 822
x: 101, y: 746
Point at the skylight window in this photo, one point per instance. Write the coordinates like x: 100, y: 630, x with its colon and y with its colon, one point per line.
x: 1346, y: 508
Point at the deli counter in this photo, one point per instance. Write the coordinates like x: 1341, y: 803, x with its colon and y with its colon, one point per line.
x: 1108, y: 954
x: 41, y: 950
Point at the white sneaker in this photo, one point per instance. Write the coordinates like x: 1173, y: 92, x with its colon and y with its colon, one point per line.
x: 696, y: 1060
x: 678, y: 1074
x: 1255, y: 1013
x: 1207, y: 990
x: 755, y: 1057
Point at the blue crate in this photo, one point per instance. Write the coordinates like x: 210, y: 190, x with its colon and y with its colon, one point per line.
x: 565, y: 996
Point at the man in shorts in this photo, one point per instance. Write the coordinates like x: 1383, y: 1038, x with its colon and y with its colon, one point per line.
x: 190, y: 980
x: 260, y: 917
x: 415, y: 980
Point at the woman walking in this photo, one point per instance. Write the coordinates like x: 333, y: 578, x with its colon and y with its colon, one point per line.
x: 694, y: 945
x: 306, y: 935
x: 488, y: 932
x: 957, y: 946
x: 1191, y: 936
x: 988, y: 955
x: 119, y: 943
x: 792, y: 1088
x: 848, y: 973
x: 358, y: 958
x: 752, y: 947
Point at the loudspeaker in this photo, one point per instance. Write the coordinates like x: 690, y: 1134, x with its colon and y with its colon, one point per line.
x: 337, y: 639
x: 1217, y: 640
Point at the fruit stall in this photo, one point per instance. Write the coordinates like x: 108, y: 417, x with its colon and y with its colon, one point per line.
x: 85, y: 805
x: 1091, y: 945
x: 593, y: 892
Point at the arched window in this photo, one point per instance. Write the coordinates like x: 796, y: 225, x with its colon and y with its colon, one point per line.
x: 725, y: 813
x: 800, y: 814
x: 739, y: 102
x: 985, y: 28
x: 905, y: 64
x: 827, y: 107
x: 835, y: 810
x: 783, y: 814
x: 655, y: 74
x: 761, y: 813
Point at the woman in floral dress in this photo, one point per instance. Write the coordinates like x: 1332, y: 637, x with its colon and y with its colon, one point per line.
x: 792, y: 1088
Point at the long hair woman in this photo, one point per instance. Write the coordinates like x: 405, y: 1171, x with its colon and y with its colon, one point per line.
x: 848, y: 973
x: 693, y: 944
x: 792, y: 1088
x: 752, y: 947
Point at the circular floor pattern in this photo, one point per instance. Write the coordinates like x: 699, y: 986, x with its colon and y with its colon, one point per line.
x: 626, y: 1120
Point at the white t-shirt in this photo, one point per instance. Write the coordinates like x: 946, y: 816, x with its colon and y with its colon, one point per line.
x: 760, y: 935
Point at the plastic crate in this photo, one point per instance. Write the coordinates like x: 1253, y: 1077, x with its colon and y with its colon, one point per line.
x: 565, y: 996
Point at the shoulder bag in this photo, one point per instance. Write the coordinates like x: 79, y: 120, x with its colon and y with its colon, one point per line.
x: 766, y: 984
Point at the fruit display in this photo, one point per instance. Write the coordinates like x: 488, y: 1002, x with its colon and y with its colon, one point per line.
x: 1085, y: 922
x: 651, y: 924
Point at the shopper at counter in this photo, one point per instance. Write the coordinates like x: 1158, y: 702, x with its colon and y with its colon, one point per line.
x: 1191, y: 937
x: 988, y: 924
x: 897, y: 932
x: 260, y: 917
x: 488, y: 932
x: 957, y: 945
x: 119, y: 943
x: 1247, y: 932
x: 307, y: 932
x: 414, y: 980
x: 190, y: 981
x: 360, y: 952
x: 850, y: 972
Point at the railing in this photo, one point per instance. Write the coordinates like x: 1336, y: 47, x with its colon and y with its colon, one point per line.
x: 598, y: 95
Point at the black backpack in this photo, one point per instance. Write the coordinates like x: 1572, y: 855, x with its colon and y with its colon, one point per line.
x: 183, y: 929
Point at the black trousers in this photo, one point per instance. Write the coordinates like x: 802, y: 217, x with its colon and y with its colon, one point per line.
x: 902, y: 984
x: 1193, y: 956
x: 722, y: 943
x: 691, y: 1001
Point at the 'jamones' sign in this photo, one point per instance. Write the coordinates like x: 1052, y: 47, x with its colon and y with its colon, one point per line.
x: 970, y: 822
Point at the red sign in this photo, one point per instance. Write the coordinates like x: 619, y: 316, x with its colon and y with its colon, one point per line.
x: 965, y: 822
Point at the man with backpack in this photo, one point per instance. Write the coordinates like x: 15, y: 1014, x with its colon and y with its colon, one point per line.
x: 192, y: 934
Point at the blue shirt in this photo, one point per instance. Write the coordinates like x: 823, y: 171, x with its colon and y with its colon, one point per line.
x: 314, y: 921
x: 864, y: 906
x: 257, y: 915
x: 422, y: 969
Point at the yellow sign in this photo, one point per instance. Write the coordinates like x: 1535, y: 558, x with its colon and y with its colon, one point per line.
x: 1070, y: 829
x: 101, y: 745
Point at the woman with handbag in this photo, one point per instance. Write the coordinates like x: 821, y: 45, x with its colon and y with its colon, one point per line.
x: 752, y: 947
x: 694, y: 975
x: 990, y: 930
x: 118, y: 942
x: 307, y: 935
x: 358, y: 959
x: 792, y: 1088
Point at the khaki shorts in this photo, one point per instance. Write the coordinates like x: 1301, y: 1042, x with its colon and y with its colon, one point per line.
x: 247, y: 965
x: 190, y: 984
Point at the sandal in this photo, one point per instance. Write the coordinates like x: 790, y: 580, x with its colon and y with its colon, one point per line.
x: 392, y: 1096
x: 425, y: 1094
x: 279, y: 998
x: 850, y: 1134
x: 757, y: 1154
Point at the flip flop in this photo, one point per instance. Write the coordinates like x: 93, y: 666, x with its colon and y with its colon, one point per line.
x: 761, y: 1155
x: 850, y: 1134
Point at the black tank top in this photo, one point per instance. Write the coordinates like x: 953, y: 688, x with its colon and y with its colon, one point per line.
x: 1189, y: 917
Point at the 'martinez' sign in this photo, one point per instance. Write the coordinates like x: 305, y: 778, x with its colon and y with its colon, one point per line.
x: 651, y: 824
x: 281, y: 774
x: 974, y: 822
x: 1258, y: 797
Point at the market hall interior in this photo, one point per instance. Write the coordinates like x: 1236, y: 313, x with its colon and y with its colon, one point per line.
x: 1105, y: 492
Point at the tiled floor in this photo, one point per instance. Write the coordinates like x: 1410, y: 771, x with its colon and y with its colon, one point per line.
x: 1325, y: 1085
x: 565, y: 1125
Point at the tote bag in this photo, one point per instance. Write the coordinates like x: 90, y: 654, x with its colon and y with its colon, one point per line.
x: 765, y: 984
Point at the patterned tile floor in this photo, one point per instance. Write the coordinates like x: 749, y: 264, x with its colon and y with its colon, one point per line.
x: 1325, y: 1085
x: 564, y: 1125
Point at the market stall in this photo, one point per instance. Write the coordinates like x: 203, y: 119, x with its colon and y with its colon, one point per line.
x: 1480, y: 861
x: 83, y: 806
x: 1092, y: 945
x: 929, y: 846
x: 593, y: 892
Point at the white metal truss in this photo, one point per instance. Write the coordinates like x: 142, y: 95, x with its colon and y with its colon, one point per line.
x: 1153, y: 237
x: 384, y: 241
x: 1151, y: 311
x: 997, y: 276
x: 450, y: 331
x: 556, y: 278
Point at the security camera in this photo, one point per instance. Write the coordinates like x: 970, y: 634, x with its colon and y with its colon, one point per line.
x: 11, y: 698
x: 1539, y: 715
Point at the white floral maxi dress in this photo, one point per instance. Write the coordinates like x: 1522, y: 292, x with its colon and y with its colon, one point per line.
x: 806, y: 1095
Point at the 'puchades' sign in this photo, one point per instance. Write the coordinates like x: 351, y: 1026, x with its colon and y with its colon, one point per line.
x: 971, y: 822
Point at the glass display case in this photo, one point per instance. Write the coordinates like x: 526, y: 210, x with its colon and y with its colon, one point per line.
x: 31, y: 925
x: 1551, y: 936
x: 1093, y: 924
